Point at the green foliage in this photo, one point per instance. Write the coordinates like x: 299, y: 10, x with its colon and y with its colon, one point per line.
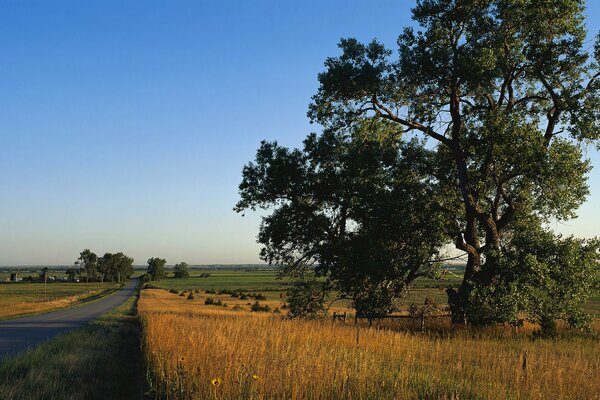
x: 503, y: 93
x: 115, y: 266
x: 156, y: 268
x: 72, y: 273
x: 257, y: 307
x: 181, y: 270
x: 209, y: 301
x: 88, y: 262
x: 547, y: 276
x: 375, y: 301
x: 352, y: 204
x: 306, y: 298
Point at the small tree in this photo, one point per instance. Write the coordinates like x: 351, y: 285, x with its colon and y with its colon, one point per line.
x: 156, y: 268
x: 306, y: 298
x: 181, y: 270
x: 72, y: 273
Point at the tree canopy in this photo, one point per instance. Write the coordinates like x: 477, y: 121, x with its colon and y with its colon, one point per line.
x: 181, y: 270
x: 156, y: 268
x: 500, y: 97
x: 353, y: 209
x: 505, y: 94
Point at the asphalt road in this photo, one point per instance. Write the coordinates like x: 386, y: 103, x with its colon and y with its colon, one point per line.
x: 18, y: 334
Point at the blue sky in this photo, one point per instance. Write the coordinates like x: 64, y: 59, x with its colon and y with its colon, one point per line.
x: 124, y: 125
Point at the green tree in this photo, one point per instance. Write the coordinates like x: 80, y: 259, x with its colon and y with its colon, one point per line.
x: 181, y: 270
x: 72, y: 273
x: 350, y: 207
x: 503, y: 93
x: 88, y: 262
x: 156, y: 268
x: 115, y: 266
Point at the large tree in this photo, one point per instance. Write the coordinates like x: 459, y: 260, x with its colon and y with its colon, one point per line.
x: 505, y: 94
x: 115, y: 266
x: 181, y: 270
x: 156, y: 268
x: 88, y: 262
x: 352, y: 208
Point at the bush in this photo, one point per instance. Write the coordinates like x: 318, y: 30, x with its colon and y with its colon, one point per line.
x: 209, y: 291
x: 173, y: 291
x: 191, y: 296
x: 243, y: 296
x: 306, y: 299
x: 212, y: 302
x: 182, y: 294
x: 257, y: 307
x: 260, y: 296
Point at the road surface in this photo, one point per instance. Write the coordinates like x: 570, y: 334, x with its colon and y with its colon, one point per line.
x: 18, y: 334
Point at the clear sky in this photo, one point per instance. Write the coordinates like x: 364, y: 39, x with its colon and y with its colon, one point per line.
x: 124, y: 125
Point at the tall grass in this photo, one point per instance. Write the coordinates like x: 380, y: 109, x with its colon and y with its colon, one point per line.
x: 188, y: 344
x: 99, y: 361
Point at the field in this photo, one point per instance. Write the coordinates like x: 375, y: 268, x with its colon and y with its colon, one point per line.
x: 97, y: 362
x: 28, y: 298
x: 266, y: 282
x: 198, y: 351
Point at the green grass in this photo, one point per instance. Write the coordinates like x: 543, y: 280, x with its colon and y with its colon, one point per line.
x: 100, y: 361
x: 265, y: 281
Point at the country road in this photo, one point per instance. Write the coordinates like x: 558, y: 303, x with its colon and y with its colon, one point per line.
x: 18, y: 334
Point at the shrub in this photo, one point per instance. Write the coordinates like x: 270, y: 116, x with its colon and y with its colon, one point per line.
x: 173, y: 291
x: 306, y: 298
x: 191, y: 296
x: 243, y: 296
x: 257, y: 307
x: 260, y: 296
x: 212, y: 302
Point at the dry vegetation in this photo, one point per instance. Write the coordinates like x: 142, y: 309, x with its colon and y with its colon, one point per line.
x: 28, y: 298
x: 194, y: 351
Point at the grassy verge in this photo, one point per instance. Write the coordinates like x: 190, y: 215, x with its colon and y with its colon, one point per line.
x: 99, y: 361
x: 19, y: 300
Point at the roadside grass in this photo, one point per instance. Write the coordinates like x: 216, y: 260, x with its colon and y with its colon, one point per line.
x: 18, y: 299
x: 98, y: 361
x: 198, y: 351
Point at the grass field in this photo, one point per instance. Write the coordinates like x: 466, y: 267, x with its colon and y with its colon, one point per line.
x: 97, y: 362
x: 266, y: 282
x: 252, y: 355
x: 28, y: 298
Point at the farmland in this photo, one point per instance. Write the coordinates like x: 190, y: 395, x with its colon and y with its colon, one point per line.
x: 99, y: 361
x: 198, y: 351
x: 27, y: 298
x: 267, y: 283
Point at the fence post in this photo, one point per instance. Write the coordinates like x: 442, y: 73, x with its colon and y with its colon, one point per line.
x: 524, y: 365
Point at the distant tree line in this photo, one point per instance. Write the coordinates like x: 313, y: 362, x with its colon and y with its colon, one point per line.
x: 110, y: 267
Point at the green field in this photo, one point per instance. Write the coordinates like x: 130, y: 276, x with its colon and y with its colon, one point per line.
x: 268, y: 284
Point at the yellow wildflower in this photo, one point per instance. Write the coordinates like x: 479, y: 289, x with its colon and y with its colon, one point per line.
x: 216, y: 381
x: 255, y: 377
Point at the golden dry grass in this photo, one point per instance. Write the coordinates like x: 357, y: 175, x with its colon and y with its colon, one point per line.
x: 31, y: 300
x: 188, y: 344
